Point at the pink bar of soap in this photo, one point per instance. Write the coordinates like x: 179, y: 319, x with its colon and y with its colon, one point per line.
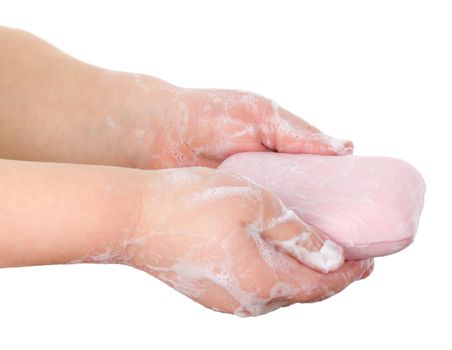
x: 369, y: 205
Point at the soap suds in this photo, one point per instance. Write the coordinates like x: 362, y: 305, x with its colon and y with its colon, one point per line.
x: 139, y: 82
x: 107, y: 256
x: 110, y: 122
x: 329, y: 257
x: 139, y: 133
x: 185, y: 276
x: 220, y: 192
x: 287, y: 215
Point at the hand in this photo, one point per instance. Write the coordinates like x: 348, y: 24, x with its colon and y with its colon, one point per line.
x: 232, y: 246
x: 54, y: 108
x: 201, y: 127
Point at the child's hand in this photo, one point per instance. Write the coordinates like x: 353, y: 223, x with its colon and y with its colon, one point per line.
x: 58, y: 109
x: 204, y: 126
x: 232, y: 246
x: 215, y: 237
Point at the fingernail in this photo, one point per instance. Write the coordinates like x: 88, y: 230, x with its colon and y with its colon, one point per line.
x: 341, y: 147
x: 368, y: 269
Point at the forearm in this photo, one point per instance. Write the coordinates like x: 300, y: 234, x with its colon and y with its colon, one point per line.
x: 58, y: 213
x: 56, y: 108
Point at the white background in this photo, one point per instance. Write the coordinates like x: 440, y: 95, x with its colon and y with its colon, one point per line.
x: 377, y: 72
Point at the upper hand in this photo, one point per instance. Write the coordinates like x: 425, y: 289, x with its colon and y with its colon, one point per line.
x: 201, y: 127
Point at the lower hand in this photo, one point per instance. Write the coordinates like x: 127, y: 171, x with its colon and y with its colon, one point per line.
x: 232, y: 246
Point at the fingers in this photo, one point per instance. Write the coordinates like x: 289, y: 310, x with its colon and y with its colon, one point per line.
x: 303, y: 242
x: 225, y: 122
x: 351, y: 271
x: 283, y: 131
x: 337, y: 281
x: 323, y: 286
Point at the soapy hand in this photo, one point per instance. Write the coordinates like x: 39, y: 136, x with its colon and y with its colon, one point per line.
x: 202, y: 127
x: 73, y: 112
x: 232, y: 246
x: 216, y: 237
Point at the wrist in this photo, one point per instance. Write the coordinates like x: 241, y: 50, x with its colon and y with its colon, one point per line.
x: 61, y: 213
x: 119, y: 216
x: 140, y: 104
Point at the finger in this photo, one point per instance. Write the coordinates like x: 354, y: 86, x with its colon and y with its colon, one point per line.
x: 207, y: 162
x: 323, y: 286
x: 370, y: 269
x: 350, y: 272
x: 285, y: 132
x: 303, y: 242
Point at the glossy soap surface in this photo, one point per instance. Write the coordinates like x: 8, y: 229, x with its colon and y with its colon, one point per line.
x: 369, y: 205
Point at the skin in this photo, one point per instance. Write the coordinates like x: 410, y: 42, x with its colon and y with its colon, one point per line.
x: 218, y: 248
x: 242, y: 252
x: 56, y: 108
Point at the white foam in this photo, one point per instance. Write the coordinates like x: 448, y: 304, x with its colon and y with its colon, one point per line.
x: 182, y: 175
x: 288, y: 215
x: 337, y: 145
x: 139, y: 82
x: 219, y: 192
x: 139, y: 133
x: 110, y: 122
x: 107, y: 256
x: 327, y: 259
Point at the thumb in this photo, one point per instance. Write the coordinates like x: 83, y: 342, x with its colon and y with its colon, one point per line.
x: 283, y: 131
x: 303, y: 242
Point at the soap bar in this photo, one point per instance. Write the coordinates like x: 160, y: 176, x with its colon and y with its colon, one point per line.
x: 369, y: 205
